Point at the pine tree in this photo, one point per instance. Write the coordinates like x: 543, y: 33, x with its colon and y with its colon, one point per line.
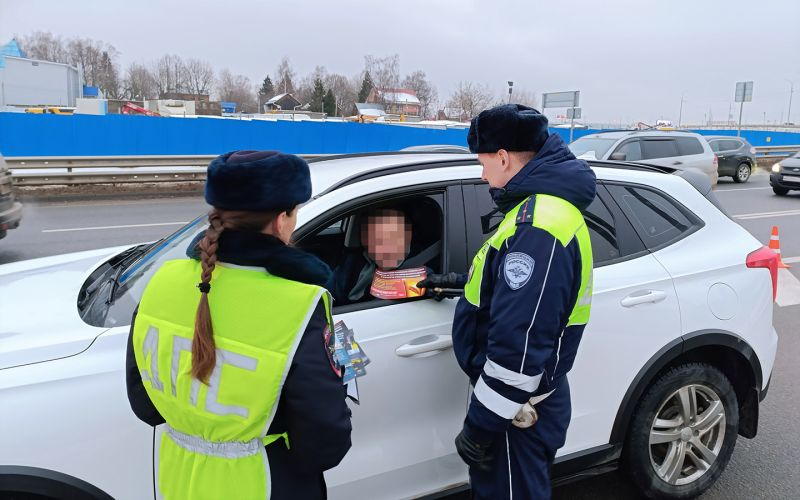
x: 267, y: 90
x: 330, y: 103
x: 366, y: 88
x: 318, y: 96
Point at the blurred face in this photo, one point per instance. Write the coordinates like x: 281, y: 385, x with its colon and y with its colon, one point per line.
x: 496, y: 168
x: 386, y: 235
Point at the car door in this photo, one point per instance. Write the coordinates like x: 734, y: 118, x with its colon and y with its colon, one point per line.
x: 661, y: 151
x: 632, y: 150
x: 728, y: 155
x: 634, y: 314
x: 412, y: 397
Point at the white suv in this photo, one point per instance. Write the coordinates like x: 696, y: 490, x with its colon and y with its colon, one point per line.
x: 674, y: 149
x: 674, y: 362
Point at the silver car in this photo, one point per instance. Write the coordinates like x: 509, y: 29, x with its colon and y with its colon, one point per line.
x: 673, y: 149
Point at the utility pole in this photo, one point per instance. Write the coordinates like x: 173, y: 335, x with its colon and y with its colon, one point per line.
x: 510, y: 88
x: 680, y: 113
x: 789, y: 112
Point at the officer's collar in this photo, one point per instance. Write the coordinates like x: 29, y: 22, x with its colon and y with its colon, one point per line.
x: 245, y: 248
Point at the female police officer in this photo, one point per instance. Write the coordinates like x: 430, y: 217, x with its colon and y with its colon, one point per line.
x: 237, y: 365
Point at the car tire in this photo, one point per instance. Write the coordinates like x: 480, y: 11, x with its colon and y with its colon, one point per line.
x: 742, y: 173
x: 684, y: 461
x: 780, y: 191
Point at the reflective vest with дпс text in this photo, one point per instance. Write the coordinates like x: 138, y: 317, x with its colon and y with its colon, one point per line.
x: 214, y: 438
x: 561, y: 219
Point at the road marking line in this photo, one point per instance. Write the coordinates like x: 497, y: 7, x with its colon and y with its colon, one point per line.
x: 791, y: 260
x: 739, y: 189
x: 788, y: 289
x: 113, y: 227
x: 763, y: 215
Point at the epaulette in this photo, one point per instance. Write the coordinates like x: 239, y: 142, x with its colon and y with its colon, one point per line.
x: 525, y: 213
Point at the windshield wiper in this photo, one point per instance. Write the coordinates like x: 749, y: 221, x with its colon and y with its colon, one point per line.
x: 123, y: 264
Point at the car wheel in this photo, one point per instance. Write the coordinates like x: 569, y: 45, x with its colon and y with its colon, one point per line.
x: 780, y: 191
x: 683, y: 432
x: 742, y: 173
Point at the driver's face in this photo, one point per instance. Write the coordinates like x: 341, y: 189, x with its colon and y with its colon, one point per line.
x: 387, y: 238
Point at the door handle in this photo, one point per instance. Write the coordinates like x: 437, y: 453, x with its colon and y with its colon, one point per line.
x: 643, y: 297
x: 422, y: 345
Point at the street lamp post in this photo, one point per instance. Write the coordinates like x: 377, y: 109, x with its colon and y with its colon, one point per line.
x: 789, y: 112
x: 680, y: 113
x: 510, y: 88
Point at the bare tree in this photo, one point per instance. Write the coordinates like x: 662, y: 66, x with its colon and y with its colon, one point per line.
x: 520, y: 96
x: 97, y: 62
x: 384, y: 71
x: 284, y: 77
x: 426, y: 93
x: 344, y: 93
x: 238, y: 89
x: 304, y: 91
x: 44, y: 46
x: 170, y: 73
x: 471, y: 98
x: 139, y: 83
x: 198, y: 77
x: 108, y: 77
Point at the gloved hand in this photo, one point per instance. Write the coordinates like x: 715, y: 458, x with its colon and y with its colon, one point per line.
x: 473, y: 453
x: 436, y: 284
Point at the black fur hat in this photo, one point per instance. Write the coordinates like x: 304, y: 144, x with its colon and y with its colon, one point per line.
x: 512, y: 127
x: 258, y: 181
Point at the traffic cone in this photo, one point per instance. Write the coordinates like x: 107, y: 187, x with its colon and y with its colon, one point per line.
x: 775, y: 245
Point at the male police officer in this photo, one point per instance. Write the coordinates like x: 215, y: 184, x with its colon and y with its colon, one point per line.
x: 526, y: 302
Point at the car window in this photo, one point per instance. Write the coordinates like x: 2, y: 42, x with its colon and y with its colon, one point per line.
x: 659, y: 148
x: 689, y: 146
x: 631, y: 149
x: 595, y: 145
x: 729, y: 145
x: 657, y: 218
x: 602, y: 231
x: 339, y: 243
x: 715, y: 145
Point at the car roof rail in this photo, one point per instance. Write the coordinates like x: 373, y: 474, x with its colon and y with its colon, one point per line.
x: 322, y: 158
x: 632, y: 166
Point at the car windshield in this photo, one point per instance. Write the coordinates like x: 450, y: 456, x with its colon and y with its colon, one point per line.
x: 594, y: 146
x: 796, y: 155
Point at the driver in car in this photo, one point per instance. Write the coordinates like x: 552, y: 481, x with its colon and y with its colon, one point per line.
x: 386, y: 242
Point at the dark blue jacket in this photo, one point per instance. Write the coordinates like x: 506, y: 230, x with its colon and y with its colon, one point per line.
x: 312, y: 407
x: 490, y: 340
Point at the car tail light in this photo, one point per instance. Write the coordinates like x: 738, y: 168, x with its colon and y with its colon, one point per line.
x: 767, y: 259
x: 716, y: 161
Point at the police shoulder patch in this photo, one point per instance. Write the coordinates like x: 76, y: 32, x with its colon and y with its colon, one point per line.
x: 518, y: 269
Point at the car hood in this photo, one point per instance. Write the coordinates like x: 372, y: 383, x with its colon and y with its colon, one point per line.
x: 39, y: 318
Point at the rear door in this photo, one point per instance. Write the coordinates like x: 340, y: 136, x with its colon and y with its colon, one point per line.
x: 695, y: 153
x: 728, y: 155
x: 661, y: 151
x: 634, y: 314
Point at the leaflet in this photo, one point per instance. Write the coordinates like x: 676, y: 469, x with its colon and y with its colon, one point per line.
x: 346, y: 354
x: 398, y: 284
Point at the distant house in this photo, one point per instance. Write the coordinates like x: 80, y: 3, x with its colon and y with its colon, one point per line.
x: 282, y: 102
x: 396, y: 101
x: 453, y: 114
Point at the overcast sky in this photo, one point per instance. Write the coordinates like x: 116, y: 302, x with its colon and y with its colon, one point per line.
x: 631, y: 60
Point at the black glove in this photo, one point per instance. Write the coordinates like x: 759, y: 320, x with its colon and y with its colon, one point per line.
x: 450, y: 282
x: 473, y: 453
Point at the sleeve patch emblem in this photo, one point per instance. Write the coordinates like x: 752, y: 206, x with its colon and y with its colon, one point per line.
x: 518, y: 269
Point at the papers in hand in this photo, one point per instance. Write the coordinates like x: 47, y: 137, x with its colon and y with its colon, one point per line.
x: 350, y: 357
x: 398, y: 284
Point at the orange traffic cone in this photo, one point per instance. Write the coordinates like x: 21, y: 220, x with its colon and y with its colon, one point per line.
x: 775, y: 245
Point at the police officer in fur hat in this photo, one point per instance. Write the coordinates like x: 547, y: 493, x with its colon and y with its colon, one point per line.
x: 526, y: 303
x: 228, y: 347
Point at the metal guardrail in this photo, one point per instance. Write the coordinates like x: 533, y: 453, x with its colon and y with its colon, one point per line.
x: 81, y: 170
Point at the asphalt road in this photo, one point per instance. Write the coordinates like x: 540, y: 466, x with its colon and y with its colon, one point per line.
x: 765, y: 467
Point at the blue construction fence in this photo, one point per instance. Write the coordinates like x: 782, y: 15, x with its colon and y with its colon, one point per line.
x: 23, y: 134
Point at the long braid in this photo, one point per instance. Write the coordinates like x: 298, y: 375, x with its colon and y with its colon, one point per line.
x: 204, y: 352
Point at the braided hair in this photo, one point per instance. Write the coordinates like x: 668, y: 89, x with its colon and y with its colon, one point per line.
x: 204, y: 351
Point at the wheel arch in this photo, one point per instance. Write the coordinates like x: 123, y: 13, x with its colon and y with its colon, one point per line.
x: 34, y: 480
x: 725, y: 350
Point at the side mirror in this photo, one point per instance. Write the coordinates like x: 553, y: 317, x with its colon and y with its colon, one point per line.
x: 617, y: 156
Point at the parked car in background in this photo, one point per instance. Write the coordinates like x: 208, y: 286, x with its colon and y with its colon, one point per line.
x: 785, y: 175
x: 674, y: 149
x: 10, y: 209
x: 737, y: 158
x: 681, y: 332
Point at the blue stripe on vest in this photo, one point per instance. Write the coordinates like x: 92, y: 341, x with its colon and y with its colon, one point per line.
x: 525, y: 214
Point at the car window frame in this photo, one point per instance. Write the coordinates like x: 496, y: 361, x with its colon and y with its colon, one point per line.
x: 630, y: 244
x: 626, y: 142
x: 660, y: 139
x: 697, y: 222
x: 452, y: 237
x: 739, y: 146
